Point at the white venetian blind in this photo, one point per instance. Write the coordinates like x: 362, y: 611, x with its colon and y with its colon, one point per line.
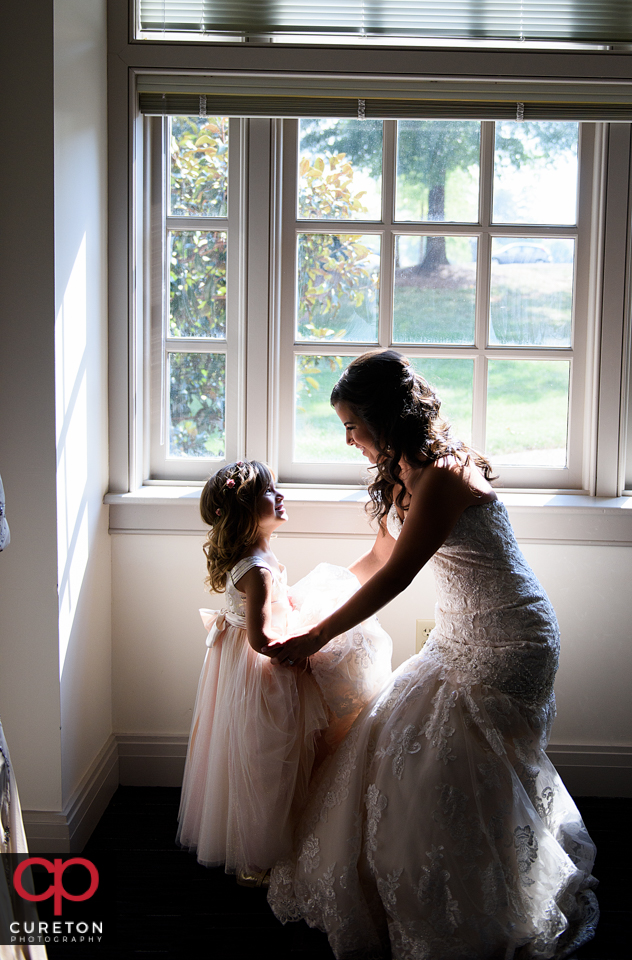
x: 593, y: 21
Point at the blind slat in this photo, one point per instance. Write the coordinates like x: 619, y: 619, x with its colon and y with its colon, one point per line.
x: 226, y: 105
x: 595, y: 21
x: 338, y: 88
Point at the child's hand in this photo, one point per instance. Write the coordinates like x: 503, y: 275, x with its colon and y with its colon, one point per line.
x: 294, y: 649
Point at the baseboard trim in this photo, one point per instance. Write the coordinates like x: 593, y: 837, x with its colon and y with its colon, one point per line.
x: 594, y: 770
x: 146, y: 761
x: 158, y: 761
x: 587, y: 770
x: 68, y: 831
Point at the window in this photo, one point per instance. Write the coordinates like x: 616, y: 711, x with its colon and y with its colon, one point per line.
x: 467, y: 246
x: 197, y: 339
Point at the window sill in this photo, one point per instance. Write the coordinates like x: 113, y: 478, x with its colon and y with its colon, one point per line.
x: 337, y: 511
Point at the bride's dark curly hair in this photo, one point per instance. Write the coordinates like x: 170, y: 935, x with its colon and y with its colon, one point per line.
x: 401, y: 412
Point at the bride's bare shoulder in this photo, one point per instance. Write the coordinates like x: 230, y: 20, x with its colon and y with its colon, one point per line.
x: 463, y: 478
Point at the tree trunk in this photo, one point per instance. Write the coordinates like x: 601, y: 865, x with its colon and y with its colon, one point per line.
x: 435, y: 255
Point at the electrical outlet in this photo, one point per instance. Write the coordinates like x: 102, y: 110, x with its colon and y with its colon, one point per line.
x: 423, y: 632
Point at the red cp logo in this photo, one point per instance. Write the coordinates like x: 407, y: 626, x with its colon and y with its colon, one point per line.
x: 56, y: 889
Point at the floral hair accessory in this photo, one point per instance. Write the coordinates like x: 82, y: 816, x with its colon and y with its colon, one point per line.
x: 230, y: 483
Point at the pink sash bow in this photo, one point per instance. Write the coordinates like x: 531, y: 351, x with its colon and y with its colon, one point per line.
x: 216, y: 621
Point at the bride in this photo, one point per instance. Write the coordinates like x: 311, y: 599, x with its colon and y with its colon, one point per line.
x: 440, y: 830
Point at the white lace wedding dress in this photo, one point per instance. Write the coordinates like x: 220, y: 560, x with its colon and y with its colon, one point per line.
x: 440, y: 830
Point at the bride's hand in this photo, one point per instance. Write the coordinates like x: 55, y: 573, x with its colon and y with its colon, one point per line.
x: 296, y: 648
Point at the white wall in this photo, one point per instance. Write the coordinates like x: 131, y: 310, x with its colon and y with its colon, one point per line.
x: 29, y: 678
x: 589, y: 587
x: 55, y: 676
x: 158, y: 639
x: 81, y: 378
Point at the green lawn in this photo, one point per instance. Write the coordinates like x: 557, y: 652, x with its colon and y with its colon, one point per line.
x: 527, y: 407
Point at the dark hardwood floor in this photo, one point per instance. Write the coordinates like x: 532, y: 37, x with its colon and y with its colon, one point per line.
x: 157, y: 901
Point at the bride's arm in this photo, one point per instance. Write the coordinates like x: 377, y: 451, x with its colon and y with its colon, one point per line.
x: 372, y: 561
x: 438, y: 497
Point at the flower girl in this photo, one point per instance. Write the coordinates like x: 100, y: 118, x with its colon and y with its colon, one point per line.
x: 256, y: 726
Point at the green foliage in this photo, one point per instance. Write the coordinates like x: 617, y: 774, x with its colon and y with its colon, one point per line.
x: 336, y: 277
x: 309, y: 376
x: 524, y: 142
x: 335, y: 280
x: 326, y: 190
x: 430, y: 151
x: 197, y: 400
x: 197, y: 275
x: 199, y: 166
x: 198, y: 184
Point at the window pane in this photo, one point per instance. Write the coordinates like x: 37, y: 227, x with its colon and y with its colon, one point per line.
x: 438, y: 170
x: 198, y: 174
x: 340, y: 170
x: 196, y: 404
x: 527, y: 411
x: 453, y: 380
x: 531, y: 291
x: 319, y: 435
x: 535, y: 172
x: 197, y: 273
x: 338, y: 287
x: 435, y: 289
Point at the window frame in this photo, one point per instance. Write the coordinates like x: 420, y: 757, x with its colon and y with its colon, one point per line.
x: 246, y: 150
x: 604, y: 456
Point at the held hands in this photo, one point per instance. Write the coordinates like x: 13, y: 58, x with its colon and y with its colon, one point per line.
x: 294, y: 649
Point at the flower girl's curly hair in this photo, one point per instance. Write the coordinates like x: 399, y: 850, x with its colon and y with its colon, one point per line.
x: 230, y: 505
x: 401, y: 411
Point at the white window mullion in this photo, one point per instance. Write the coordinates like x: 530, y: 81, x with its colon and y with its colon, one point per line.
x: 389, y: 161
x: 258, y: 290
x: 156, y: 260
x: 236, y: 296
x: 479, y: 402
x: 487, y: 174
x: 287, y: 299
x: 483, y: 266
x: 276, y: 292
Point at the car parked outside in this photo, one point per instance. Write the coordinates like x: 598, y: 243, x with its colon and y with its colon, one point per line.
x: 522, y: 253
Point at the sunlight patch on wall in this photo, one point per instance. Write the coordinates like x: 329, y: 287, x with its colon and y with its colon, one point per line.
x: 72, y: 447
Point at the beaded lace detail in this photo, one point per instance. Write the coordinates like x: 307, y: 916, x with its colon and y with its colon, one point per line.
x: 493, y: 620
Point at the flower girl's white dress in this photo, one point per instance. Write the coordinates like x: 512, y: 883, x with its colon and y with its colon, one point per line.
x: 440, y: 830
x: 256, y: 725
